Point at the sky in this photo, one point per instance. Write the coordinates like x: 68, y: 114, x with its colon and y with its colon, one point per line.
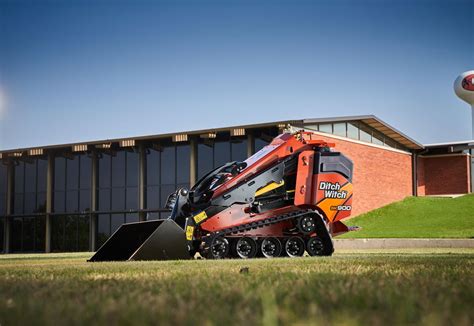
x: 75, y: 70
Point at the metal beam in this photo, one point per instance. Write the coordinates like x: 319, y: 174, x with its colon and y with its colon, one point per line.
x: 49, y: 201
x: 142, y: 181
x: 93, y: 215
x: 193, y: 158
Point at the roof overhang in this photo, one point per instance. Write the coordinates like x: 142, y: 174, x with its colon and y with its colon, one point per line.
x: 378, y: 125
x: 452, y: 147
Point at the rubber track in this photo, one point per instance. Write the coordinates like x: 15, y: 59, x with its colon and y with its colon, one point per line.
x: 255, y: 225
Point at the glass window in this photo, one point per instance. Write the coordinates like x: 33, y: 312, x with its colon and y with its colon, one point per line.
x: 238, y: 150
x: 182, y: 164
x: 103, y: 228
x: 118, y: 199
x: 205, y: 159
x: 30, y: 202
x: 104, y: 171
x: 377, y: 138
x: 153, y: 197
x: 132, y: 169
x: 131, y: 218
x: 3, y: 189
x: 311, y: 127
x: 83, y: 222
x: 153, y: 167
x: 16, y: 239
x: 84, y: 200
x: 166, y: 190
x: 168, y: 169
x: 42, y: 175
x: 59, y: 174
x: 59, y: 201
x: 30, y: 187
x: 72, y: 173
x: 72, y: 201
x: 118, y: 170
x: 104, y: 200
x: 260, y: 143
x: 390, y: 143
x: 28, y: 234
x: 116, y: 220
x: 326, y: 127
x: 19, y: 178
x: 221, y: 153
x: 340, y: 129
x: 70, y: 233
x: 3, y: 204
x: 365, y: 133
x: 352, y: 131
x: 152, y: 216
x: 2, y: 224
x: 30, y: 177
x: 85, y: 172
x: 41, y: 202
x: 132, y: 198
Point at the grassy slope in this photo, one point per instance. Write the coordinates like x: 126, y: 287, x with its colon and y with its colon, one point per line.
x: 380, y: 288
x: 418, y: 217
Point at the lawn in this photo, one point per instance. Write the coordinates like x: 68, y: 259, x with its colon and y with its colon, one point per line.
x: 431, y: 287
x: 418, y: 217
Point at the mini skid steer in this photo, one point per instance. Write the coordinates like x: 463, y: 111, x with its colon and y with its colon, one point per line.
x: 287, y: 199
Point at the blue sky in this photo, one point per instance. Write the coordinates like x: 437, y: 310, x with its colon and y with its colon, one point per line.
x: 83, y: 70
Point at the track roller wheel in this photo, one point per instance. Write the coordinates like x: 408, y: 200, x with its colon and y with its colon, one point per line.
x: 306, y: 224
x: 271, y: 247
x: 218, y: 249
x: 315, y: 247
x: 294, y: 247
x: 246, y: 248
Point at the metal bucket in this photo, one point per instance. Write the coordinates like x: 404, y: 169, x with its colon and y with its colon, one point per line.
x: 151, y: 240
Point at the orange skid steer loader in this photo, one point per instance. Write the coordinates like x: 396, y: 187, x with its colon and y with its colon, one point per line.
x: 287, y: 199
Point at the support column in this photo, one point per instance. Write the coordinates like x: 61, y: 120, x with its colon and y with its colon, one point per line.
x: 49, y: 201
x: 472, y: 170
x: 250, y: 145
x: 414, y: 166
x: 93, y: 215
x: 142, y: 182
x: 7, y: 228
x: 193, y: 168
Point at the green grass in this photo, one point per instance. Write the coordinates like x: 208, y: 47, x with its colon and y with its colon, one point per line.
x: 418, y: 217
x: 430, y: 287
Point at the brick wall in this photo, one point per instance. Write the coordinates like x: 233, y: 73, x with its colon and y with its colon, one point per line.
x: 442, y: 175
x: 420, y: 172
x: 381, y: 176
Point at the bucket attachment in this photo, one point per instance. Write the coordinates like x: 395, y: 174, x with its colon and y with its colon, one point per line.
x: 151, y: 240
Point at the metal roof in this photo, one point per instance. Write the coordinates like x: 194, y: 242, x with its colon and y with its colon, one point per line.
x: 462, y: 142
x: 370, y: 120
x: 378, y: 125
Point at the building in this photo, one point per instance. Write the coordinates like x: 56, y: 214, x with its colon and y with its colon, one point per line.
x: 73, y: 197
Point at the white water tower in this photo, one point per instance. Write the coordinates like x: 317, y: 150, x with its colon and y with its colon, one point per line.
x: 464, y: 88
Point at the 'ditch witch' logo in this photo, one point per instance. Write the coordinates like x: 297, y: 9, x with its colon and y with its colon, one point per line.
x: 468, y: 83
x: 332, y: 190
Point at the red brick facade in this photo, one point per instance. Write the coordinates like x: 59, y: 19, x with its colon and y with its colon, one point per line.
x: 381, y: 175
x: 444, y: 174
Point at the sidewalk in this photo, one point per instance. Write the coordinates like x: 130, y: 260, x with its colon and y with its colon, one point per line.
x: 402, y: 243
